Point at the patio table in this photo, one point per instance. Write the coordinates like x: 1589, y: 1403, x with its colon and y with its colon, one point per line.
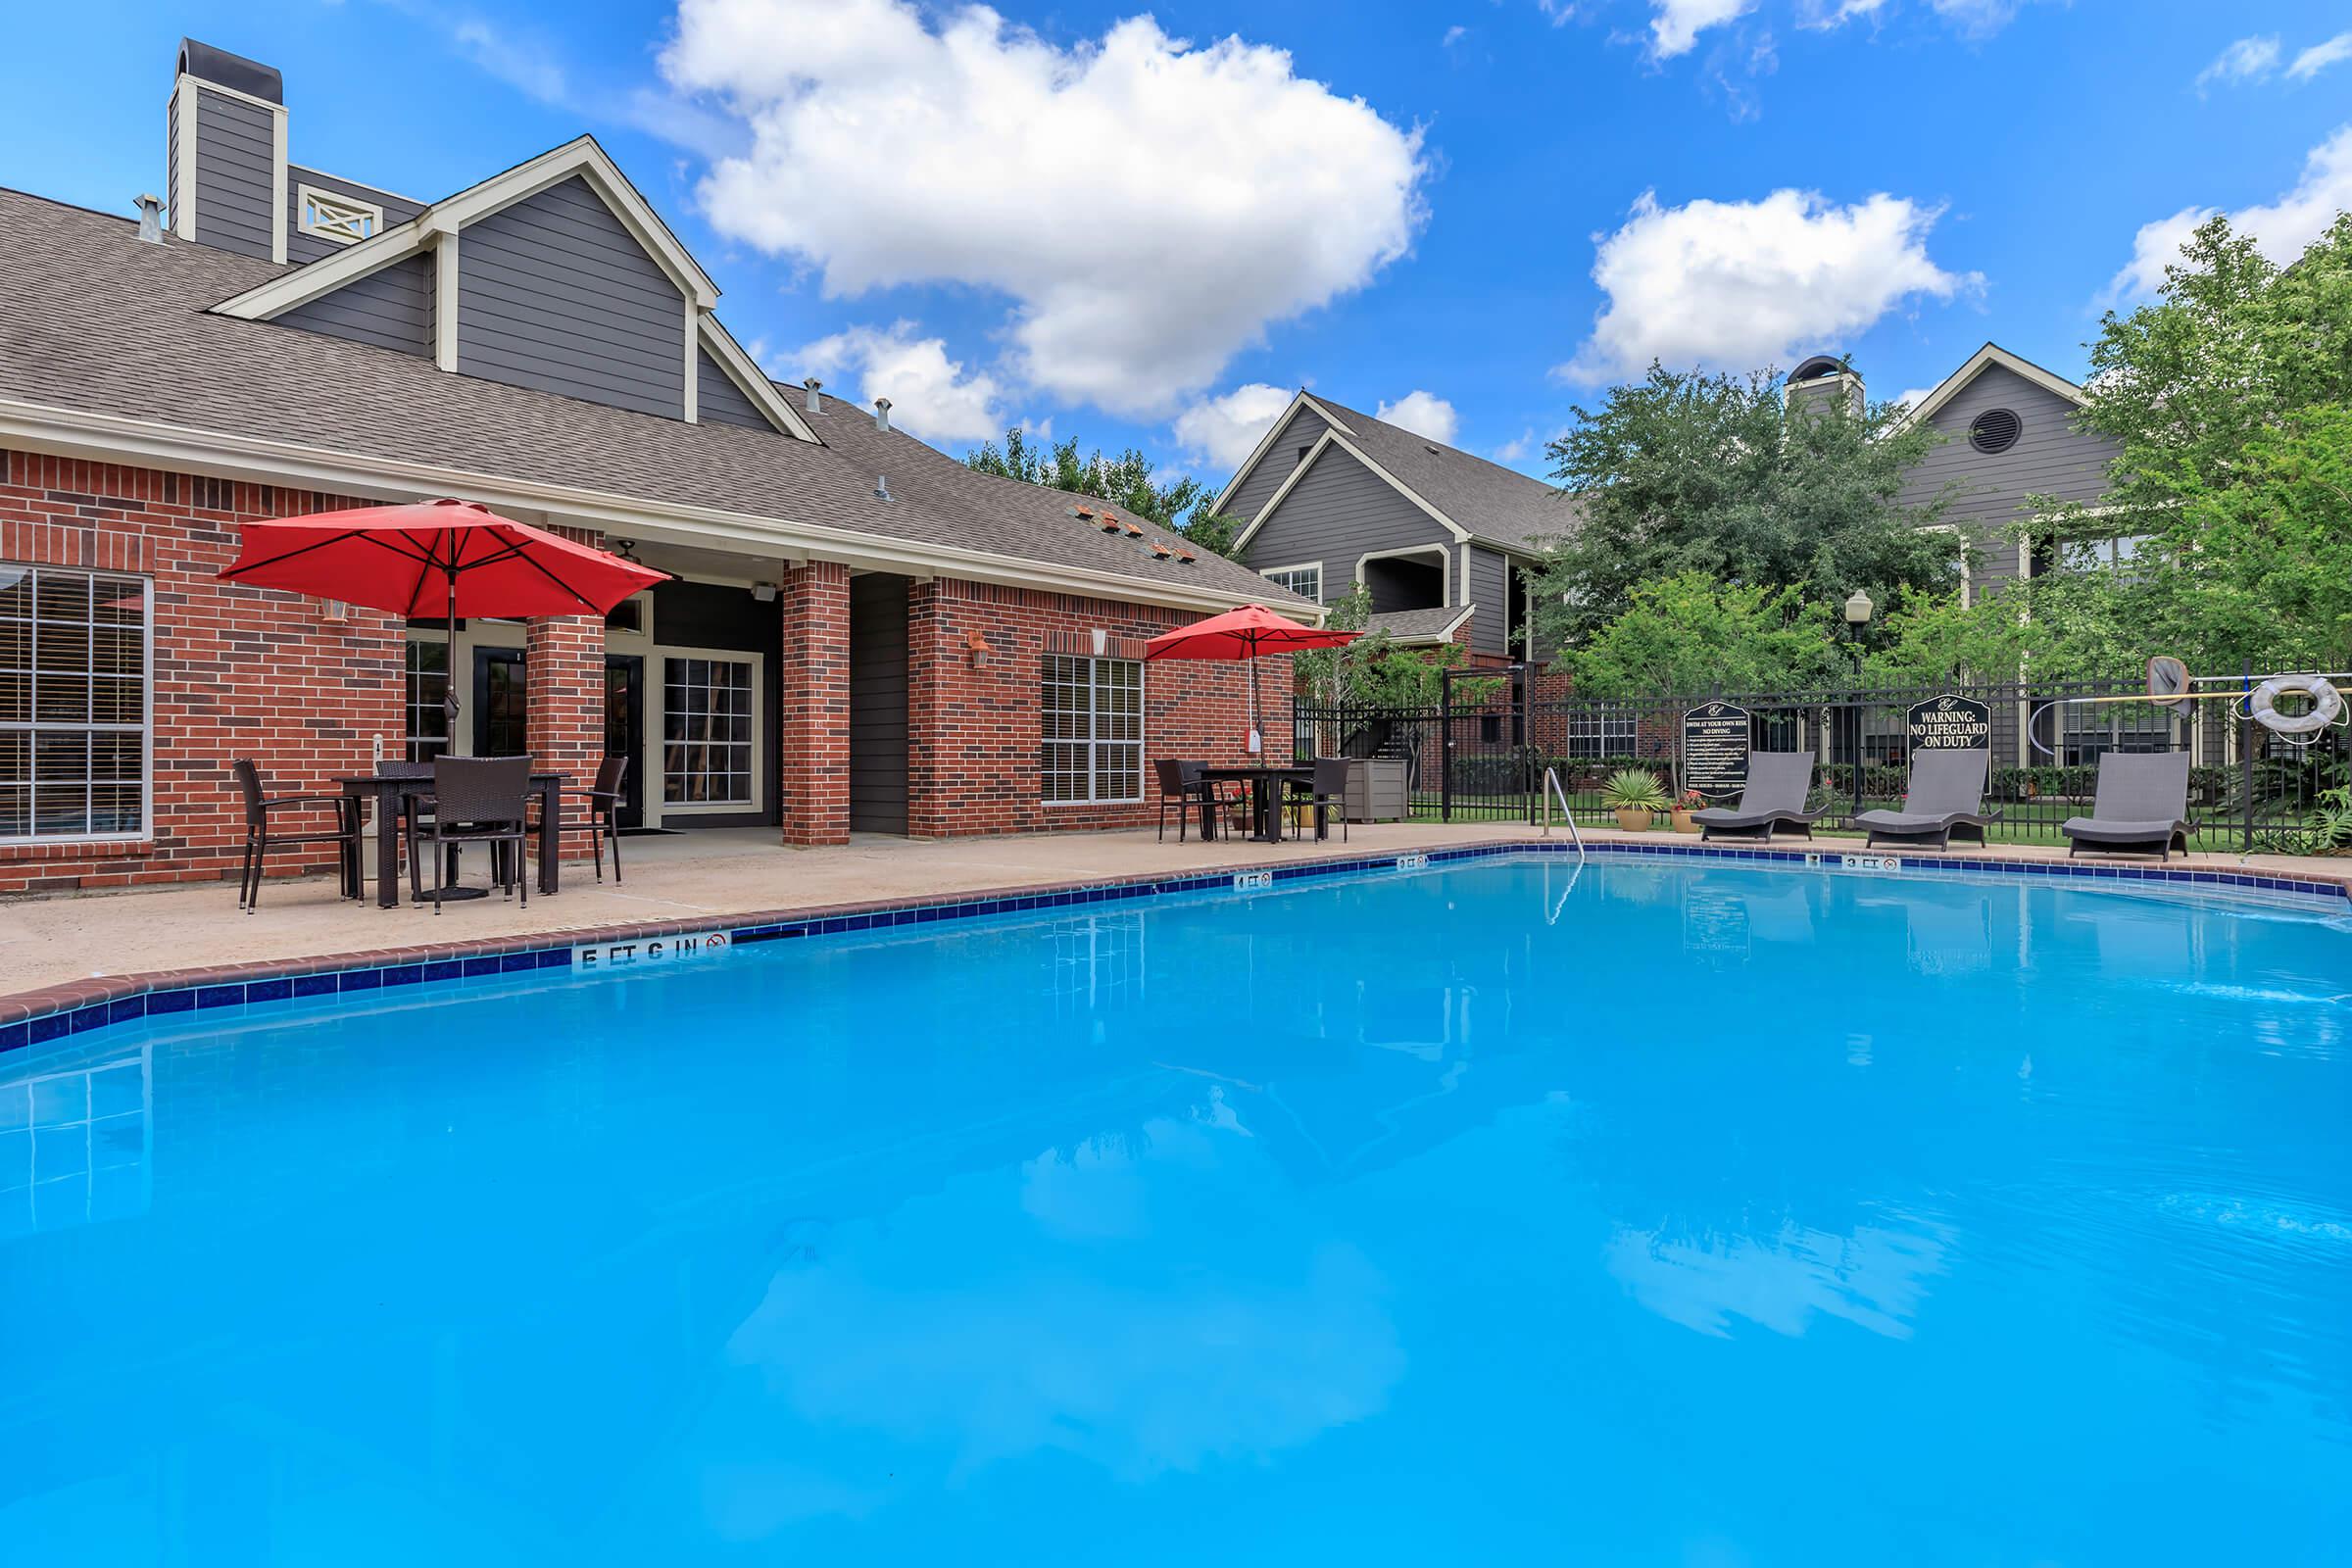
x: 1265, y: 784
x: 385, y: 793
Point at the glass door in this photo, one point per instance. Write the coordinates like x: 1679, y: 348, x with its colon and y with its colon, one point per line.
x: 500, y: 704
x: 624, y: 731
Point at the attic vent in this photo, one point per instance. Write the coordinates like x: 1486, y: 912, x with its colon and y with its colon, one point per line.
x: 1994, y: 431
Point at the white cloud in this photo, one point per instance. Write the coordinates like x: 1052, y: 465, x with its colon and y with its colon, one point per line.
x: 1148, y: 207
x: 1835, y: 12
x: 1424, y: 414
x: 1519, y: 446
x: 2281, y: 229
x: 1453, y: 35
x: 2246, y: 60
x: 1677, y: 25
x: 1738, y: 285
x: 1224, y: 431
x: 930, y: 395
x: 2319, y: 55
x: 1913, y: 397
x: 1976, y: 18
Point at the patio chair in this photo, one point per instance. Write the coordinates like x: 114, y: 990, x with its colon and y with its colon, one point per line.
x: 1321, y: 794
x: 1774, y: 798
x: 1182, y: 788
x: 1946, y: 797
x: 261, y: 837
x: 604, y: 799
x: 2141, y: 807
x: 476, y: 800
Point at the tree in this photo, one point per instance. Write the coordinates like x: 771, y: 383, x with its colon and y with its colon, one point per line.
x: 1372, y: 671
x: 1719, y: 475
x: 1125, y: 481
x: 2271, y: 573
x: 1689, y: 634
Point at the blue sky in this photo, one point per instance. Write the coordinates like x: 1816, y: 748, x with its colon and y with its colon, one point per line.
x: 1148, y: 231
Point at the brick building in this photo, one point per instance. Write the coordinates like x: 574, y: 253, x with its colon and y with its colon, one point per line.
x: 861, y: 634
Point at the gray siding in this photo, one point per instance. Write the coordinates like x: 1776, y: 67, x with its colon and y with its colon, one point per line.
x: 1341, y: 511
x: 301, y: 247
x: 2050, y: 458
x: 391, y: 308
x: 237, y: 151
x: 553, y: 293
x: 878, y: 704
x: 1490, y: 590
x: 1305, y: 429
x: 718, y: 400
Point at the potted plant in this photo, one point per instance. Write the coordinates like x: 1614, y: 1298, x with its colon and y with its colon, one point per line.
x: 1683, y: 805
x: 1636, y: 795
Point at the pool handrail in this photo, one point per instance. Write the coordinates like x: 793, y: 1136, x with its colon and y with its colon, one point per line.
x: 1551, y: 789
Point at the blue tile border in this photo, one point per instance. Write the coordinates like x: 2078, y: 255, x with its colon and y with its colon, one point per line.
x: 264, y: 989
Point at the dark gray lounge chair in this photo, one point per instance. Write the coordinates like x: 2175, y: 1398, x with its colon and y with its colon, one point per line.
x: 1777, y: 783
x: 1946, y: 798
x: 2141, y: 807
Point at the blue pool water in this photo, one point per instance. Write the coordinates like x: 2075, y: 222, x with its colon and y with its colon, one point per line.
x: 1680, y: 1216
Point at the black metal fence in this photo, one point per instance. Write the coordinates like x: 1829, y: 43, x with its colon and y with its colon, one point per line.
x: 1480, y: 753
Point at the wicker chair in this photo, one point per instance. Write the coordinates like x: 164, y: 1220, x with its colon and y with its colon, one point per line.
x: 603, y: 801
x: 261, y: 838
x: 1181, y: 789
x: 476, y: 800
x: 1327, y: 790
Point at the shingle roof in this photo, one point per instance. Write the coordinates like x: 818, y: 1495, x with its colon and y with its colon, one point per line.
x: 1496, y: 504
x: 101, y: 323
x: 1412, y: 623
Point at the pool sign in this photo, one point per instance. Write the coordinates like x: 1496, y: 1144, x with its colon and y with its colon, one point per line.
x: 647, y: 953
x: 1715, y: 749
x: 1950, y: 724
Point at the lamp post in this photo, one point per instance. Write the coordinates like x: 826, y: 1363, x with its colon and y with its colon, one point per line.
x: 1857, y: 616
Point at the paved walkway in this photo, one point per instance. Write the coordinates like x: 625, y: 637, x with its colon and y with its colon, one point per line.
x: 47, y: 941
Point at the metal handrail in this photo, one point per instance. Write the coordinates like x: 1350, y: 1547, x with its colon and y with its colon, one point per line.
x: 1551, y: 788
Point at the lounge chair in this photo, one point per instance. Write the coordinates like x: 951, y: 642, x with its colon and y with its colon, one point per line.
x: 1777, y: 783
x: 1946, y: 798
x: 2141, y: 807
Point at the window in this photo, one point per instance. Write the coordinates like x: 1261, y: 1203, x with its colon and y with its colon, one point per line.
x: 427, y: 699
x: 72, y: 704
x: 707, y: 731
x: 1093, y: 727
x: 1305, y: 581
x: 1594, y: 732
x: 2117, y: 555
x: 330, y: 216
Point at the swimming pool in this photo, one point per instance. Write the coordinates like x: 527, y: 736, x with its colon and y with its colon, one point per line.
x: 1677, y: 1212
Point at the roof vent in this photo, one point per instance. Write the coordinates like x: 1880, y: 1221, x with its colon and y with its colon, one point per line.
x: 882, y: 487
x: 151, y: 219
x: 881, y: 414
x: 1994, y: 431
x: 817, y: 395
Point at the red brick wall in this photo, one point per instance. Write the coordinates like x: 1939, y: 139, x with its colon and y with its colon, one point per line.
x: 238, y: 671
x: 973, y: 715
x: 813, y: 676
x: 563, y: 693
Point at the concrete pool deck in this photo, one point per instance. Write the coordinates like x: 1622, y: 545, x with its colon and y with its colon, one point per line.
x: 704, y: 878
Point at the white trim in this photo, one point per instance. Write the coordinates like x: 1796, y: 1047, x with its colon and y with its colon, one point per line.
x: 1445, y: 566
x: 656, y: 810
x: 360, y: 184
x: 277, y: 185
x: 148, y: 749
x: 183, y: 177
x: 1316, y: 567
x: 210, y: 85
x: 747, y: 379
x: 1967, y: 577
x: 306, y: 194
x: 1093, y: 744
x: 1985, y: 358
x: 1265, y: 443
x: 1333, y: 438
x: 581, y: 157
x: 694, y: 378
x: 114, y: 438
x: 445, y: 302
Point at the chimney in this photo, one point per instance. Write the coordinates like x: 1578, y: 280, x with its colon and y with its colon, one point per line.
x: 881, y: 414
x: 151, y: 219
x: 817, y: 395
x: 1824, y: 382
x: 229, y: 114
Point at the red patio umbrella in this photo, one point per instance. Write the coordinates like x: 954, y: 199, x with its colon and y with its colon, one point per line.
x: 1245, y: 633
x: 459, y: 555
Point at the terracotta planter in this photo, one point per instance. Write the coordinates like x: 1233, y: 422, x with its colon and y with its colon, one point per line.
x: 1683, y: 823
x: 1632, y: 821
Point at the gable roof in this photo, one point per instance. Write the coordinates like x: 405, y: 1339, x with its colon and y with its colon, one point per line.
x: 111, y: 350
x: 1985, y: 358
x: 1412, y: 628
x: 1474, y: 498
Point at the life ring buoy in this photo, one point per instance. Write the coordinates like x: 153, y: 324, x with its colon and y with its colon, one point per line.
x: 2325, y: 704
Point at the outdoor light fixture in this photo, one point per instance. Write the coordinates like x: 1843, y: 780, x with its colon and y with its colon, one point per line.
x: 1858, y: 608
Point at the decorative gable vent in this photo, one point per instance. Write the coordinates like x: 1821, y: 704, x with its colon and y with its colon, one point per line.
x: 337, y: 219
x: 1994, y: 431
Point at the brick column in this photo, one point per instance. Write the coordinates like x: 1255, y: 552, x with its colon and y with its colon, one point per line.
x: 812, y: 677
x: 564, y: 695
